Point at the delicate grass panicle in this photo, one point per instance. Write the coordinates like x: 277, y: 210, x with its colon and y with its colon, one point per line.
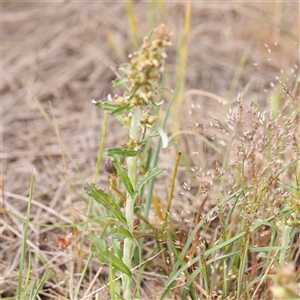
x: 260, y: 168
x: 134, y: 110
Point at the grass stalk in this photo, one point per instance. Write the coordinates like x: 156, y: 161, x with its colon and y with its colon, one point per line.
x: 82, y: 275
x: 40, y: 286
x: 155, y: 161
x: 285, y: 241
x: 24, y: 241
x: 240, y: 67
x: 133, y: 23
x: 242, y: 266
x: 181, y: 66
x: 172, y: 185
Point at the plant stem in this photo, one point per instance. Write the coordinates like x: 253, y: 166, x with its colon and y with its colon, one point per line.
x: 132, y: 165
x: 285, y: 240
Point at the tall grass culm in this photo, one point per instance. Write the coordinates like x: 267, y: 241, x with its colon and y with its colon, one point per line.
x: 134, y: 110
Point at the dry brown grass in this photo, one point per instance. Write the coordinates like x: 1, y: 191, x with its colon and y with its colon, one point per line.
x: 62, y: 53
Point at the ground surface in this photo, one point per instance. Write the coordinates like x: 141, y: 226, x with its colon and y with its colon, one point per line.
x: 57, y: 57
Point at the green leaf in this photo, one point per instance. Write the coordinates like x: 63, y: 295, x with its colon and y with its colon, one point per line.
x: 163, y: 89
x: 32, y: 292
x: 148, y: 176
x: 118, y: 111
x: 41, y: 285
x: 119, y: 81
x: 24, y: 239
x: 160, y: 103
x: 101, y: 197
x: 292, y: 188
x: 124, y: 67
x: 101, y: 252
x: 123, y: 176
x: 121, y: 152
x: 120, y: 233
x: 267, y: 249
x: 163, y: 136
x: 115, y: 109
x: 106, y: 105
x: 153, y: 133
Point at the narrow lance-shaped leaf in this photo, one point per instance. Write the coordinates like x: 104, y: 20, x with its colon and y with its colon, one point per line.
x: 119, y: 81
x: 120, y: 233
x: 292, y: 188
x: 115, y: 109
x: 163, y: 136
x: 148, y: 176
x: 121, y: 152
x: 118, y: 111
x: 124, y: 67
x: 101, y: 197
x: 41, y: 284
x: 123, y: 176
x: 161, y: 90
x: 160, y: 103
x: 101, y: 252
x: 106, y: 105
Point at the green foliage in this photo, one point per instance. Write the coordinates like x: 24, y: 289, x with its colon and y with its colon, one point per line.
x: 121, y: 152
x: 151, y: 173
x: 101, y: 197
x: 100, y: 250
x: 120, y: 233
x: 134, y: 110
x: 23, y: 247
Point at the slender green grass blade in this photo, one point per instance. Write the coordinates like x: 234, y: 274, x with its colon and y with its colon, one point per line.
x: 241, y: 275
x: 172, y: 276
x: 267, y: 249
x: 188, y: 283
x: 155, y: 161
x: 147, y: 177
x: 48, y: 119
x: 82, y: 275
x: 25, y: 291
x: 112, y: 282
x: 24, y: 241
x: 26, y: 286
x: 241, y: 64
x: 133, y: 23
x: 181, y: 64
x: 40, y: 286
x: 31, y: 296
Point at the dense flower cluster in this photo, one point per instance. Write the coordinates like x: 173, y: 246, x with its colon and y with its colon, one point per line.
x: 143, y: 72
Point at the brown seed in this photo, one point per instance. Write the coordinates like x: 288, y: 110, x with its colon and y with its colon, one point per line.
x: 109, y: 167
